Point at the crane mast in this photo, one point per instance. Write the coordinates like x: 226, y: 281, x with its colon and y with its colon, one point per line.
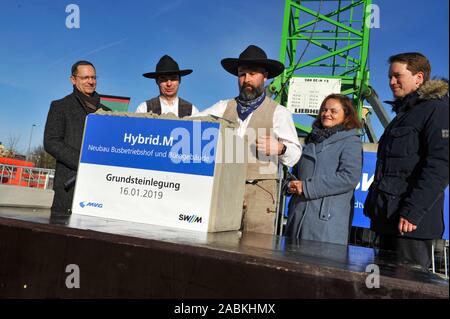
x: 329, y: 39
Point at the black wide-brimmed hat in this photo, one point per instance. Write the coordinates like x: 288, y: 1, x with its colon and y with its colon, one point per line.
x: 166, y: 66
x: 253, y: 56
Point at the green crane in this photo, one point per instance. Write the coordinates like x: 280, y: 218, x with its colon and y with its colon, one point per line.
x: 329, y: 39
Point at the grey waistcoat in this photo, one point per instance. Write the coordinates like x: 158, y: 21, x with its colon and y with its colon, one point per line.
x: 262, y: 123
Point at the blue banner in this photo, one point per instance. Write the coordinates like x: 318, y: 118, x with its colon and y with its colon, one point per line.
x: 369, y: 164
x: 368, y: 172
x: 187, y: 147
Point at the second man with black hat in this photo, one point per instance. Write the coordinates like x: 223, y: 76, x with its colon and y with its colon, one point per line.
x: 168, y: 76
x: 269, y: 130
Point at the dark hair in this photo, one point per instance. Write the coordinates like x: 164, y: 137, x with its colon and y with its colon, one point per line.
x: 351, y: 119
x: 415, y: 62
x: 82, y: 62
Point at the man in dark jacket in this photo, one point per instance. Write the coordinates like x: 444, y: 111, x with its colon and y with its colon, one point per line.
x: 405, y: 201
x: 64, y: 131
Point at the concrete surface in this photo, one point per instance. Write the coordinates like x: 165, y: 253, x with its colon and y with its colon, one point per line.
x: 17, y: 196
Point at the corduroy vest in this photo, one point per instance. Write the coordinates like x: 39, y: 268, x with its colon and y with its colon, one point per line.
x: 184, y: 107
x: 259, y: 166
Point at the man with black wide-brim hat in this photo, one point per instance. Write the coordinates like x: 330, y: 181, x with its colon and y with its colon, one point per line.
x: 168, y: 77
x: 269, y: 130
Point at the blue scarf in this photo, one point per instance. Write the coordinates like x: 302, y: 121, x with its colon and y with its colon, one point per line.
x: 245, y: 108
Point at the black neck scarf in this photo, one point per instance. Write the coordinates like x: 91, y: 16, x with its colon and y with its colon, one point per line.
x: 90, y: 103
x: 318, y: 135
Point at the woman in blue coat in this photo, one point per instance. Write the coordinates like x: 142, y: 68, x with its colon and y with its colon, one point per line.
x: 324, y: 179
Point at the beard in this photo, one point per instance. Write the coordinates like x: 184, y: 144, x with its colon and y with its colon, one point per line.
x: 248, y: 92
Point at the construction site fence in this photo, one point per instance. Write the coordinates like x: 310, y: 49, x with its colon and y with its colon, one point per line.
x: 26, y: 176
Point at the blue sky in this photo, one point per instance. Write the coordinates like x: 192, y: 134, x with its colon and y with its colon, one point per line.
x: 126, y: 38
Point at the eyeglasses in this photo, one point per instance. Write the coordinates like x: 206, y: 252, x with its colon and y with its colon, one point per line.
x: 87, y: 77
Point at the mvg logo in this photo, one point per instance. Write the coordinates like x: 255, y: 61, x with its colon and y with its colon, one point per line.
x: 91, y: 204
x: 190, y: 218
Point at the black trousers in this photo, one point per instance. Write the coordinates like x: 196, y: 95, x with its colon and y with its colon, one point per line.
x: 409, y: 250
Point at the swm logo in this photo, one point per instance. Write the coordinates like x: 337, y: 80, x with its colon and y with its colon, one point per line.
x: 91, y: 204
x: 190, y: 218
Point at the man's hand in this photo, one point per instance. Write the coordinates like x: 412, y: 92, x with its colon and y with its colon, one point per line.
x: 269, y: 145
x: 404, y: 226
x: 295, y: 187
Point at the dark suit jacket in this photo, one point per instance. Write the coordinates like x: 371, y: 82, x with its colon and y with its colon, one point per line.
x: 62, y: 139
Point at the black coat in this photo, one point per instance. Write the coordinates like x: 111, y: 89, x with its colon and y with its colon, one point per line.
x: 62, y: 139
x: 412, y: 165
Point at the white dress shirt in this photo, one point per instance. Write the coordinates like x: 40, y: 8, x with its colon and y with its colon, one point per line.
x: 165, y: 107
x: 283, y: 129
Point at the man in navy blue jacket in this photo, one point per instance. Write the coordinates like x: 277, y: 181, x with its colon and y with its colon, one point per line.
x: 406, y: 199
